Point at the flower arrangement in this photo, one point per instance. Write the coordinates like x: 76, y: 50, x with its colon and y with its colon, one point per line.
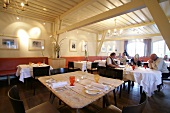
x: 57, y: 46
x: 85, y: 52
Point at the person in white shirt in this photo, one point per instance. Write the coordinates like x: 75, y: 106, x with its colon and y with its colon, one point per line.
x: 123, y: 59
x: 110, y: 62
x: 157, y: 63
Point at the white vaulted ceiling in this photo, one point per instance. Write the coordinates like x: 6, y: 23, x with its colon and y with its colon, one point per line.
x: 135, y: 23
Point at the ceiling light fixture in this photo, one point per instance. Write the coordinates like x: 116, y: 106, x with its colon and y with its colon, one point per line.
x: 18, y: 6
x: 115, y: 32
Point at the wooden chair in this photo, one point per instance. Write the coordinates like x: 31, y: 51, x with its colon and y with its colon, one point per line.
x: 18, y: 105
x: 71, y: 67
x: 164, y: 77
x: 54, y: 72
x: 94, y: 66
x: 102, y: 71
x: 117, y: 74
x: 40, y: 71
x: 59, y: 71
x: 127, y: 109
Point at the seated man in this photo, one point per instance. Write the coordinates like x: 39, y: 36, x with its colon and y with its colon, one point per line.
x: 110, y: 61
x: 157, y: 63
x: 166, y: 57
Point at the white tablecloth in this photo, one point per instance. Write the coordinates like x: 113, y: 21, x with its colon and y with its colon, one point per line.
x: 147, y: 78
x: 101, y: 62
x: 82, y: 65
x: 167, y: 63
x: 26, y: 71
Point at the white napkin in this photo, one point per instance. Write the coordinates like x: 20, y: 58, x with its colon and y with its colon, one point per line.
x: 50, y: 80
x: 100, y: 86
x: 58, y: 84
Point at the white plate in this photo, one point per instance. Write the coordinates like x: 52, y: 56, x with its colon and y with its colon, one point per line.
x: 92, y: 92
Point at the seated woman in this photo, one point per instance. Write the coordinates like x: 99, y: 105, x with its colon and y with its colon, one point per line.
x: 123, y: 59
x: 135, y: 60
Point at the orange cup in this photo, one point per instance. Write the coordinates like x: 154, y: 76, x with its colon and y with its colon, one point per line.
x: 72, y: 80
x: 145, y: 66
x: 133, y: 67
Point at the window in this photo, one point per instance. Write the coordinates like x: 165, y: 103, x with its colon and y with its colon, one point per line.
x: 160, y: 48
x: 135, y: 47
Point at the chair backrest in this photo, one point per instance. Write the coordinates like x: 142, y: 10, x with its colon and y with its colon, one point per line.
x: 101, y: 71
x: 41, y: 71
x: 136, y: 108
x: 94, y: 65
x: 114, y: 73
x: 168, y: 68
x: 70, y: 64
x: 17, y: 104
x: 59, y: 71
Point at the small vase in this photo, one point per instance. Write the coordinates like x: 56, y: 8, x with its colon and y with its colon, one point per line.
x: 58, y: 54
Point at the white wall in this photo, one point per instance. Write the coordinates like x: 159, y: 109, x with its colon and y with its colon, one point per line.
x: 79, y: 36
x: 117, y: 47
x: 10, y: 26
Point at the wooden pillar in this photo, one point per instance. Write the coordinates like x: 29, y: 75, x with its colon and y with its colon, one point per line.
x: 101, y: 42
x: 160, y: 19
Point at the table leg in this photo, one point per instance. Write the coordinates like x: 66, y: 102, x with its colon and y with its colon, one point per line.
x: 141, y: 89
x: 76, y: 111
x: 115, y: 97
x: 105, y: 101
x: 52, y: 98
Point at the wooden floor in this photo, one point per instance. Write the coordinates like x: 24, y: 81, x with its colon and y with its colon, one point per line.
x: 158, y: 103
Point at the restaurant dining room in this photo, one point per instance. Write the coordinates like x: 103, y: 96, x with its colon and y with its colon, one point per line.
x: 84, y: 56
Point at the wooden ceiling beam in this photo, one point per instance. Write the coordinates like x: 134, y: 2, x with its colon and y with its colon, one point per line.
x: 131, y: 6
x: 161, y: 21
x: 30, y: 17
x: 132, y: 37
x: 77, y: 7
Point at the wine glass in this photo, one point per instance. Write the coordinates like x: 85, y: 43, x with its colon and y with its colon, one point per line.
x: 96, y: 78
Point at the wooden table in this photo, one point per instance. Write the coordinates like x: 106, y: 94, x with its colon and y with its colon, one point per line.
x: 76, y: 97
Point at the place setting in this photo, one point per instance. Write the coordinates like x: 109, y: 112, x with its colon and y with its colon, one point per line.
x: 95, y: 87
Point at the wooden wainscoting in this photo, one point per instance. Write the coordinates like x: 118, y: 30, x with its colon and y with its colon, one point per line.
x: 81, y: 58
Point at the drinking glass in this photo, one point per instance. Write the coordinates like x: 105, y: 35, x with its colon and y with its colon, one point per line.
x: 133, y: 67
x: 30, y: 63
x: 145, y: 66
x: 72, y: 80
x: 96, y: 78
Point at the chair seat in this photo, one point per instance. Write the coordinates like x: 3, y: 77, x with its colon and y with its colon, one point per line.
x: 111, y: 109
x: 43, y: 108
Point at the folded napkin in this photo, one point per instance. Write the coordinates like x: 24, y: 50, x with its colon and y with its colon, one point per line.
x: 99, y: 86
x: 51, y: 80
x: 58, y: 84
